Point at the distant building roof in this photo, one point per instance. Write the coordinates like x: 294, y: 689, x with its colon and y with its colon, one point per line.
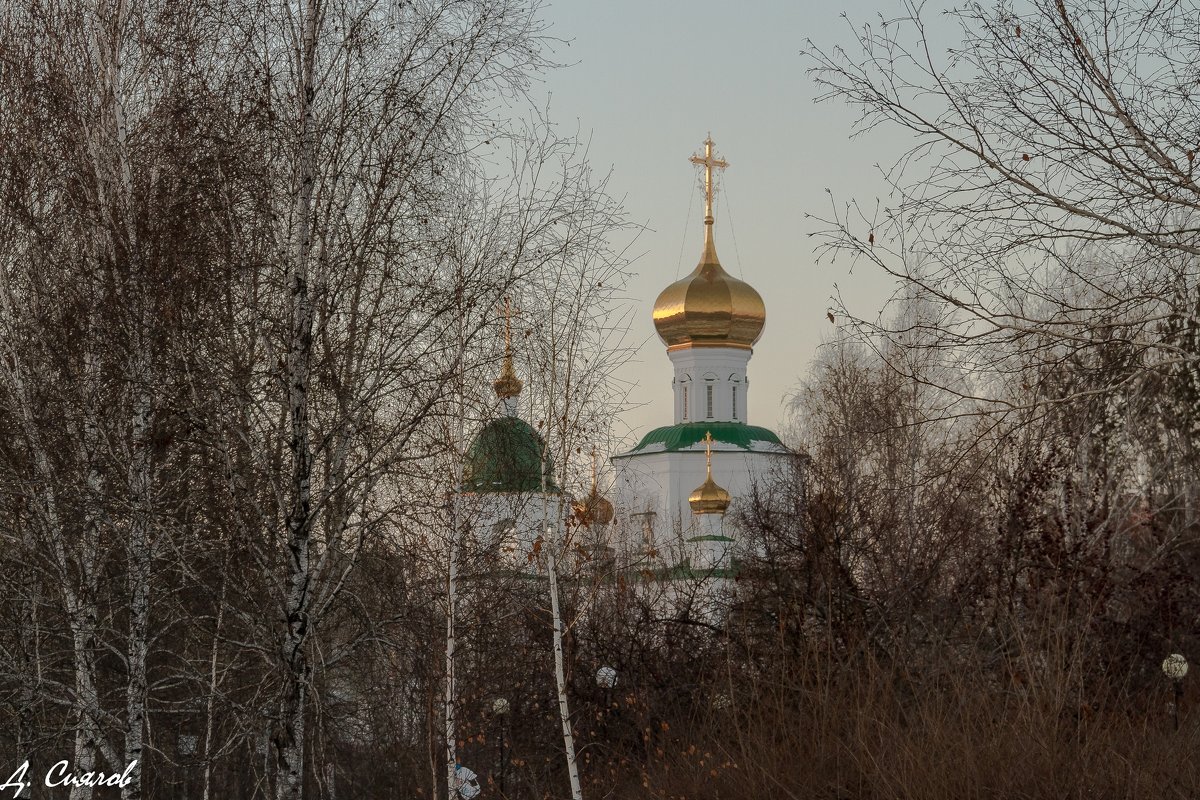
x: 688, y: 435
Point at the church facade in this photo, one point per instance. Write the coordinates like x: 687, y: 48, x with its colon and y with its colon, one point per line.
x: 709, y: 322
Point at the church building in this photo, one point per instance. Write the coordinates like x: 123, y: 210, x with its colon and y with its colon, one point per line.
x: 674, y: 487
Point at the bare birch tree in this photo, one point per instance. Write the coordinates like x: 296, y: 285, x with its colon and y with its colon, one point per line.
x: 251, y: 234
x: 80, y: 84
x: 578, y: 343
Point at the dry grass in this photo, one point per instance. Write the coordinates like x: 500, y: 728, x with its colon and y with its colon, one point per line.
x: 871, y: 730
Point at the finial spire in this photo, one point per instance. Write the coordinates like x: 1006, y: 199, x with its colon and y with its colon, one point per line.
x: 709, y: 161
x: 508, y: 310
x: 508, y: 385
x: 708, y: 440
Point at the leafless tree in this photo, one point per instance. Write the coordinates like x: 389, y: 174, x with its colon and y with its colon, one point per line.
x: 238, y: 242
x: 1048, y: 202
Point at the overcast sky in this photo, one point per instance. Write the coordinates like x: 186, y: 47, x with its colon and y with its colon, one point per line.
x: 647, y: 81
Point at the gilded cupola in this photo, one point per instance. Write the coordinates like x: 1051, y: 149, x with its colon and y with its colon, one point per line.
x: 709, y: 307
x: 709, y: 498
x: 508, y: 385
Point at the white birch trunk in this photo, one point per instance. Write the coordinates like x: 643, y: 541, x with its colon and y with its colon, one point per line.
x: 137, y: 543
x: 138, y: 558
x: 30, y: 663
x: 290, y: 776
x: 560, y: 677
x: 553, y: 542
x: 86, y: 733
x: 81, y: 606
x: 451, y: 646
x: 212, y: 685
x: 451, y: 732
x: 138, y: 547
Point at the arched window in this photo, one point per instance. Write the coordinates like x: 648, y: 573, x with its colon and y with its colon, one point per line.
x: 708, y: 402
x: 735, y: 416
x: 685, y: 399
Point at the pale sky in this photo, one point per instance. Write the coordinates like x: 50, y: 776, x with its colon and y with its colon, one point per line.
x: 648, y: 80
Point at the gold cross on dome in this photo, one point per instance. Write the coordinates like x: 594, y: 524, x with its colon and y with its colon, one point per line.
x: 508, y: 385
x: 708, y: 161
x: 708, y: 440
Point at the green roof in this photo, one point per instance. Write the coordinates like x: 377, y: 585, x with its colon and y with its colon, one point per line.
x: 689, y: 434
x: 506, y: 456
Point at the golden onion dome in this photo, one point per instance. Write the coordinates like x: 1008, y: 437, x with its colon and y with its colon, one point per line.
x: 709, y: 498
x: 508, y: 385
x: 593, y: 509
x: 709, y: 307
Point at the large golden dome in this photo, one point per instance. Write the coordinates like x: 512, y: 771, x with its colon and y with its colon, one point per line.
x: 709, y: 307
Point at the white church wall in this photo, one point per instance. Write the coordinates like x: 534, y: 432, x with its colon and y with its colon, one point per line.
x: 505, y: 525
x: 660, y: 483
x: 721, y: 368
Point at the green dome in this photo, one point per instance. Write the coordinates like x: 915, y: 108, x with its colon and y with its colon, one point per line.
x: 506, y: 456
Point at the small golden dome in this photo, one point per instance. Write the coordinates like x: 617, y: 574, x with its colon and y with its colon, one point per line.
x: 593, y: 510
x: 508, y: 385
x: 709, y: 498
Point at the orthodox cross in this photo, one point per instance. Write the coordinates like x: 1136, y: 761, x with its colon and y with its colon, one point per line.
x: 708, y: 161
x: 708, y: 440
x: 508, y: 385
x: 508, y: 309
